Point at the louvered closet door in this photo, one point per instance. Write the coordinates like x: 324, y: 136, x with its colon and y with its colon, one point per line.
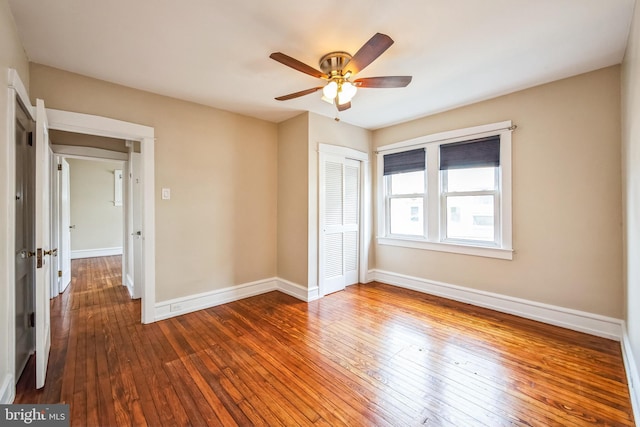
x: 340, y: 205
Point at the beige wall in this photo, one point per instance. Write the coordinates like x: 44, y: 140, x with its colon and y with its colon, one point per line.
x: 293, y: 188
x: 566, y: 197
x: 98, y: 222
x: 631, y: 183
x: 11, y: 56
x: 325, y: 130
x: 59, y: 137
x: 219, y: 228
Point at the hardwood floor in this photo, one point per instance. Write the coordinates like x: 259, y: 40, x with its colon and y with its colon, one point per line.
x: 371, y: 355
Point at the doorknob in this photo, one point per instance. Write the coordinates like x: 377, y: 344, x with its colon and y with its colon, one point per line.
x: 72, y: 226
x: 53, y: 252
x: 137, y: 233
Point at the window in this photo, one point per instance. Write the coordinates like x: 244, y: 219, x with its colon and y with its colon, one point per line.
x: 448, y: 192
x: 406, y: 190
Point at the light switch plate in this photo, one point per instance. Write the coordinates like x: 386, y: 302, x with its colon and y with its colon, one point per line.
x: 166, y: 193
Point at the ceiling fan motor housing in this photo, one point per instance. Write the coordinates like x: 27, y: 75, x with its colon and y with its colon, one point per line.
x: 333, y: 63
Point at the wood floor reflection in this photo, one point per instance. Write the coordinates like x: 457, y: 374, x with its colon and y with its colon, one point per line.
x: 371, y: 355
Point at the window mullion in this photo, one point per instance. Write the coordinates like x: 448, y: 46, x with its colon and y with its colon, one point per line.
x: 406, y: 196
x: 432, y: 210
x: 387, y: 202
x: 497, y: 209
x: 470, y: 193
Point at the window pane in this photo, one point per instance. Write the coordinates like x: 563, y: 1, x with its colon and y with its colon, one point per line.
x: 475, y: 179
x: 407, y: 183
x: 406, y: 216
x: 470, y: 218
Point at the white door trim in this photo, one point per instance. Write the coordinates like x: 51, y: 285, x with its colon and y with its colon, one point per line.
x: 102, y: 126
x: 365, y: 207
x: 20, y: 93
x: 348, y: 153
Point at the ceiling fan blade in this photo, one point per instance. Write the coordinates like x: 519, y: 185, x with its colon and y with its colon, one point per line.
x: 345, y: 106
x: 298, y: 94
x: 297, y: 65
x: 383, y: 82
x: 369, y: 52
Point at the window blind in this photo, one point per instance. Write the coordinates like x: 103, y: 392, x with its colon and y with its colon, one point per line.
x: 405, y: 161
x: 477, y: 153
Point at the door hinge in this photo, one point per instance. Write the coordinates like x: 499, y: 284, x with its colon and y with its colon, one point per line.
x: 59, y: 166
x: 32, y: 319
x: 39, y: 258
x: 59, y: 273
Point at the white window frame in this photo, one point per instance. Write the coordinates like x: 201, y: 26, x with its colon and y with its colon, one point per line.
x: 423, y: 196
x: 495, y: 193
x: 435, y: 219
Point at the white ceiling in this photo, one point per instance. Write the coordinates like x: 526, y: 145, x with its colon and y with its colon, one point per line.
x: 216, y: 52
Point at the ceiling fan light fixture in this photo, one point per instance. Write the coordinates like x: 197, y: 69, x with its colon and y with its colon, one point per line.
x: 346, y: 93
x: 330, y: 90
x: 327, y: 100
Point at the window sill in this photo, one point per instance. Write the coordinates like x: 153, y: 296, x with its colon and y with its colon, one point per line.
x: 481, y: 251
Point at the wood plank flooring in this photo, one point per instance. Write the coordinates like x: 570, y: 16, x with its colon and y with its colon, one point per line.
x: 372, y: 355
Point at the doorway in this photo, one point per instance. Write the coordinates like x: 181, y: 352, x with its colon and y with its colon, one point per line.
x: 100, y: 214
x: 92, y: 223
x: 341, y: 240
x: 143, y: 136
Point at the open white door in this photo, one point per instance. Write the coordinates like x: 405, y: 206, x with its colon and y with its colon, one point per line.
x: 64, y: 252
x: 339, y: 219
x: 133, y: 218
x: 42, y: 236
x: 54, y: 222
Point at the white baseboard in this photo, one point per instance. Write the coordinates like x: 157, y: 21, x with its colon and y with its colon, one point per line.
x: 129, y: 285
x: 576, y: 320
x: 92, y: 253
x: 7, y: 390
x: 183, y: 305
x: 581, y: 321
x: 633, y: 379
x: 298, y: 291
x: 371, y: 276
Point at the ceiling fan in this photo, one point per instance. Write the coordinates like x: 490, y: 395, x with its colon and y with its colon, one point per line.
x: 338, y: 68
